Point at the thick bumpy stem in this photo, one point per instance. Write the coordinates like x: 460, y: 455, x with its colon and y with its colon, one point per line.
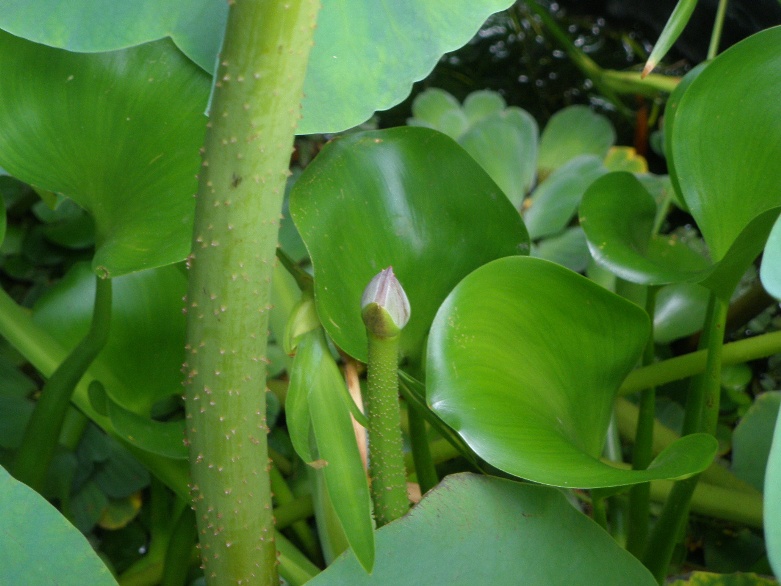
x: 254, y: 113
x: 385, y: 311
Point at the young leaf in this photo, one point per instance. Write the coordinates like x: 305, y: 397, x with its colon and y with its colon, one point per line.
x: 524, y: 361
x: 672, y: 30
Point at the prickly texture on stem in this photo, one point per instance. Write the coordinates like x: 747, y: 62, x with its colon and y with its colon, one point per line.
x: 254, y: 112
x: 386, y: 455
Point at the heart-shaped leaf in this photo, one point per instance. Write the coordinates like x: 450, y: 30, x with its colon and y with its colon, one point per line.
x: 145, y: 350
x: 725, y: 141
x: 40, y: 546
x: 525, y: 359
x: 116, y: 132
x: 399, y: 42
x: 409, y: 198
x: 316, y: 404
x: 482, y: 530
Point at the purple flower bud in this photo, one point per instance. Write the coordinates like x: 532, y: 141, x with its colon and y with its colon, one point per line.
x: 384, y: 305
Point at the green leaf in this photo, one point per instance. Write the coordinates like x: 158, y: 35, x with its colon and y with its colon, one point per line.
x: 505, y: 145
x: 525, y: 359
x: 438, y: 109
x: 572, y: 132
x: 753, y: 437
x: 725, y: 140
x: 116, y: 132
x: 569, y: 249
x: 772, y: 493
x: 141, y: 362
x: 39, y: 545
x: 410, y: 198
x: 482, y: 530
x: 617, y: 215
x: 555, y: 201
x: 770, y: 273
x: 679, y: 311
x: 337, y: 450
x: 483, y: 103
x: 672, y: 30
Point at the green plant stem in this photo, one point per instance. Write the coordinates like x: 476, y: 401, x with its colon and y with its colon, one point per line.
x: 702, y: 411
x: 668, y: 527
x: 304, y: 533
x: 386, y: 454
x: 249, y: 139
x: 718, y: 25
x: 43, y: 429
x: 642, y: 450
x: 178, y: 554
x: 693, y: 363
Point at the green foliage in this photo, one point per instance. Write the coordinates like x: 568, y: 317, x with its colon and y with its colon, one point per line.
x: 469, y: 518
x: 30, y: 527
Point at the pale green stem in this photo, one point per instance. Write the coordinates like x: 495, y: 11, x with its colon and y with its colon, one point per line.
x: 718, y: 25
x: 43, y: 429
x: 386, y: 453
x: 701, y: 416
x: 693, y: 363
x: 284, y: 496
x: 254, y: 113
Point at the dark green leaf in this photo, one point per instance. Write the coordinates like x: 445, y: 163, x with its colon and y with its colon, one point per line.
x: 410, y: 198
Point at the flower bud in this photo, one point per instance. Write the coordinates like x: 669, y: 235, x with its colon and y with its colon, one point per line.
x: 384, y: 305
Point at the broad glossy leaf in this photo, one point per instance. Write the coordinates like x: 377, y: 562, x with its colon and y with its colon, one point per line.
x: 410, y: 198
x: 617, y: 214
x: 117, y: 132
x: 145, y: 350
x: 525, y: 359
x: 554, y: 203
x: 679, y: 311
x: 505, y: 145
x: 726, y: 141
x: 770, y: 273
x: 753, y: 437
x: 572, y: 132
x: 40, y: 546
x: 772, y: 511
x: 481, y: 530
x: 315, y: 373
x: 569, y: 249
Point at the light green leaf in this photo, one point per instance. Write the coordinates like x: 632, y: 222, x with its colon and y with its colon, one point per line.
x: 679, y: 311
x: 772, y: 511
x: 555, y: 201
x: 337, y: 449
x: 505, y: 145
x: 483, y: 103
x: 482, y: 530
x: 712, y: 579
x: 438, y: 109
x: 572, y: 132
x: 525, y: 359
x: 410, y: 198
x: 770, y: 273
x: 116, y: 132
x: 39, y: 545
